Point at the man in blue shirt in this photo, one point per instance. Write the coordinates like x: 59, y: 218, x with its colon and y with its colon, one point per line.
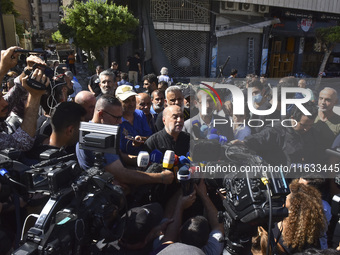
x: 108, y: 110
x: 134, y: 129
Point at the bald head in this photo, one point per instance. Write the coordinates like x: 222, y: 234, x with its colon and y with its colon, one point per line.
x: 173, y: 120
x: 328, y: 98
x: 143, y: 102
x: 88, y: 101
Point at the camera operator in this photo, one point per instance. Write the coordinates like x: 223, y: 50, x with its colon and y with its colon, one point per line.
x: 65, y: 122
x: 109, y: 111
x: 23, y: 138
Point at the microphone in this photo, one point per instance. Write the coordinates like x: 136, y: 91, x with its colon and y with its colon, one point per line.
x: 204, y: 130
x: 212, y: 131
x: 154, y: 168
x: 143, y: 159
x: 184, y: 160
x: 196, y: 128
x: 156, y: 156
x: 220, y: 138
x: 168, y: 159
x: 184, y: 178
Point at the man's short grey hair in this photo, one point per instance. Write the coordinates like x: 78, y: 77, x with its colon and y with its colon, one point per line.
x: 69, y: 74
x: 172, y: 89
x: 107, y: 73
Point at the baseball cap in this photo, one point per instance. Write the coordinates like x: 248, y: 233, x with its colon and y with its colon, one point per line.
x: 125, y: 91
x: 140, y: 221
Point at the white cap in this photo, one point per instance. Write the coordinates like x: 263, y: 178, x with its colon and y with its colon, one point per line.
x: 123, y: 92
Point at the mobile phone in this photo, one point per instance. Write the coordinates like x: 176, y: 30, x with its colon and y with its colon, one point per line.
x: 30, y: 51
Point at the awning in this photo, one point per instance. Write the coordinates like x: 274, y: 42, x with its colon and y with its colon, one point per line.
x: 248, y: 28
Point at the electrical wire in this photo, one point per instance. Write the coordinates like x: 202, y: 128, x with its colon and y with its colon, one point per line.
x: 23, y: 227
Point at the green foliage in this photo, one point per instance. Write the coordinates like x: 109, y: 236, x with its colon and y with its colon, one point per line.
x: 328, y: 36
x: 58, y: 38
x: 98, y: 25
x: 7, y: 7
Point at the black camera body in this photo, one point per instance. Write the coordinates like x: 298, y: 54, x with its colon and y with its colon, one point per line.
x: 248, y: 193
x: 34, y: 83
x: 89, y: 209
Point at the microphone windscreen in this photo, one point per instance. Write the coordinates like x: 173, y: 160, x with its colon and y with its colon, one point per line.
x: 213, y: 136
x: 156, y: 156
x: 184, y: 160
x: 155, y: 168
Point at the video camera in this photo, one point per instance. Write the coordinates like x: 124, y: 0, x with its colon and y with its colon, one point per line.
x: 252, y: 198
x: 84, y: 207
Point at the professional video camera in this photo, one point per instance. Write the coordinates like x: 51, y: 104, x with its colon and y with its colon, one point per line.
x: 253, y: 198
x: 83, y: 213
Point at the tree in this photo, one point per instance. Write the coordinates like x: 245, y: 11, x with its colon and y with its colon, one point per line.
x: 328, y: 37
x: 7, y: 7
x: 97, y: 26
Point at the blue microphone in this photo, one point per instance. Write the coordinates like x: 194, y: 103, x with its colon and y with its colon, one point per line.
x: 220, y: 138
x: 212, y: 131
x: 156, y: 156
x: 204, y: 130
x: 184, y: 178
x: 184, y: 160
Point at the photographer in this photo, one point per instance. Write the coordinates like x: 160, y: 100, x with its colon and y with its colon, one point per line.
x: 23, y: 138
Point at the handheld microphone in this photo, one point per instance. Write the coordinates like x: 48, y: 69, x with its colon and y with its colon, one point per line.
x: 156, y: 156
x: 212, y: 131
x: 220, y: 138
x: 184, y: 178
x: 184, y: 160
x: 196, y: 128
x: 204, y: 130
x: 168, y: 159
x: 143, y: 159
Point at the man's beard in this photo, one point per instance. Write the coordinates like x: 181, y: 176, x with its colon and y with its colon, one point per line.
x: 157, y: 107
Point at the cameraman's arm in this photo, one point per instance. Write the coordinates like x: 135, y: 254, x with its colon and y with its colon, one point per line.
x: 29, y: 123
x: 209, y: 207
x: 215, y: 242
x: 134, y: 177
x: 172, y: 231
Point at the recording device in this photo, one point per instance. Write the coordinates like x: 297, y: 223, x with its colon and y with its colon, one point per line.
x: 84, y: 208
x: 90, y: 209
x: 99, y: 137
x: 143, y: 159
x: 156, y: 156
x: 252, y: 198
x: 184, y: 178
x: 33, y: 83
x: 169, y: 159
x: 30, y: 51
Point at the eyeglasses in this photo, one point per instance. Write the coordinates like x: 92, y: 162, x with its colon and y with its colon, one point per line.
x: 146, y: 83
x: 117, y: 117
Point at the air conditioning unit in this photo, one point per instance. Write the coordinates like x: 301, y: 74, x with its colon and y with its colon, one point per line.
x: 263, y: 9
x: 231, y: 6
x: 247, y: 7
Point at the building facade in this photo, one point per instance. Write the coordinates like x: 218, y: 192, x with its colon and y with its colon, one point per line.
x: 272, y: 37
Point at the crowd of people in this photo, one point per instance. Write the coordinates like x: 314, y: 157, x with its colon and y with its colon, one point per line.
x: 161, y: 116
